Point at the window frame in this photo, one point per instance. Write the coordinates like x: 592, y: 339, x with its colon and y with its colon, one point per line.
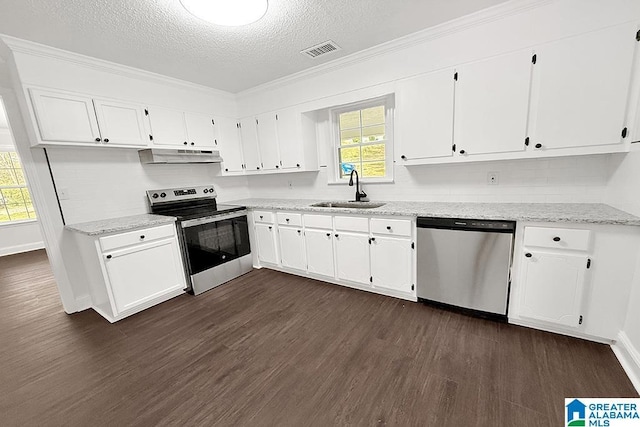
x: 25, y: 186
x: 388, y: 102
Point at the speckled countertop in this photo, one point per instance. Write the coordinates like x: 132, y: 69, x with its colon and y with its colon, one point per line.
x: 114, y: 225
x: 594, y: 213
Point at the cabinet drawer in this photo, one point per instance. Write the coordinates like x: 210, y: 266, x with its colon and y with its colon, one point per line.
x: 398, y: 227
x: 557, y: 238
x: 137, y: 236
x: 317, y: 221
x: 287, y: 218
x: 263, y: 216
x: 351, y: 223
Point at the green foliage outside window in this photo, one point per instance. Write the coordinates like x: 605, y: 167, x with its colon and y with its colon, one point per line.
x: 15, y: 200
x: 362, y: 142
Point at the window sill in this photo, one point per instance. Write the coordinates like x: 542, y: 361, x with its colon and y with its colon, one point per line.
x: 17, y: 223
x: 362, y: 182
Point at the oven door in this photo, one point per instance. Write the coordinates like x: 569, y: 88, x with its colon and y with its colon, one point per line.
x: 215, y: 241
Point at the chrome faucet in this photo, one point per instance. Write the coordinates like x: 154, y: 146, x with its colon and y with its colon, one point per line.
x: 359, y: 194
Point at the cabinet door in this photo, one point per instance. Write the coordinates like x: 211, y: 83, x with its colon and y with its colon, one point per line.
x: 64, y: 117
x: 352, y: 257
x: 391, y: 263
x: 200, y: 131
x: 268, y: 141
x: 121, y: 123
x: 580, y: 89
x: 141, y: 273
x: 491, y: 104
x: 319, y: 244
x: 425, y: 116
x: 168, y: 127
x: 249, y: 138
x: 289, y: 126
x: 292, y: 251
x: 552, y: 287
x: 266, y: 242
x: 229, y: 145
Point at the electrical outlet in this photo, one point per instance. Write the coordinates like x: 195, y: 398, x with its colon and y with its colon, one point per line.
x: 493, y: 178
x: 63, y: 194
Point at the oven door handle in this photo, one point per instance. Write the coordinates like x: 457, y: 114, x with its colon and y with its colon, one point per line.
x: 210, y: 219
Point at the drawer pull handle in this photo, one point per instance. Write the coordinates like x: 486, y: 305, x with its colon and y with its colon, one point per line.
x: 556, y: 239
x: 108, y: 256
x: 336, y: 235
x: 142, y: 237
x: 261, y: 217
x: 528, y: 255
x: 287, y: 219
x: 328, y: 234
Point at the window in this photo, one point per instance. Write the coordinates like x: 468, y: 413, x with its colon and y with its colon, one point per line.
x: 364, y: 141
x: 15, y: 200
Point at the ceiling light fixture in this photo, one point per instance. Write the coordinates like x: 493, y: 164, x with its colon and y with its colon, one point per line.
x: 227, y: 12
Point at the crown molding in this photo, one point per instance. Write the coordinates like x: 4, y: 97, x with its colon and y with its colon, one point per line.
x: 44, y: 51
x: 494, y: 13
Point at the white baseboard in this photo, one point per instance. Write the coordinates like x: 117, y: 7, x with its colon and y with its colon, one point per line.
x: 629, y: 358
x: 17, y: 249
x: 83, y: 303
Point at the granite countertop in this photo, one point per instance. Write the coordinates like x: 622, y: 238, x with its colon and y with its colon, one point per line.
x: 114, y: 225
x: 593, y: 213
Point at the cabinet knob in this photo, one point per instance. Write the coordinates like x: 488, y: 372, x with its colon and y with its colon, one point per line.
x: 403, y: 157
x: 528, y: 255
x: 299, y: 231
x: 556, y: 239
x: 462, y: 151
x: 261, y: 217
x: 277, y: 167
x: 538, y: 145
x: 226, y: 170
x: 258, y: 167
x: 373, y: 239
x: 108, y: 256
x: 98, y: 139
x: 193, y: 143
x: 287, y: 219
x: 142, y: 237
x: 106, y: 140
x: 270, y: 227
x: 389, y: 227
x: 185, y: 143
x: 336, y: 235
x: 328, y: 234
x: 297, y: 165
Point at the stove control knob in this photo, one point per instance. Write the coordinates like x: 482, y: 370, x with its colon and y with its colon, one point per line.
x: 206, y: 190
x: 155, y: 195
x: 163, y: 194
x: 211, y: 190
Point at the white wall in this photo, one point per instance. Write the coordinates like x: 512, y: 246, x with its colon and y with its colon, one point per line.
x: 22, y: 236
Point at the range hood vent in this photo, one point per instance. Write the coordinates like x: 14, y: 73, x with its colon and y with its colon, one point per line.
x: 163, y: 155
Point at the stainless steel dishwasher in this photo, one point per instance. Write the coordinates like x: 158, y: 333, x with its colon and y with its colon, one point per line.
x: 465, y: 263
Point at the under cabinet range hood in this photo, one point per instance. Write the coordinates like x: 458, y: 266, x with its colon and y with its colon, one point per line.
x: 165, y: 155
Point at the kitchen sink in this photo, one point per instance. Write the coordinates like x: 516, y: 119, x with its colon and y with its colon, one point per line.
x: 351, y: 205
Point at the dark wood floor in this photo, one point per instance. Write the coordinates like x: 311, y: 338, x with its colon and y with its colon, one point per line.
x: 273, y: 349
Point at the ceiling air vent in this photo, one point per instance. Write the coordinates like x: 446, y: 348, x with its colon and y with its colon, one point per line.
x: 321, y: 49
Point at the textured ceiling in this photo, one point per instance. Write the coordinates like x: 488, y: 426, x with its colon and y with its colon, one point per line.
x: 160, y: 36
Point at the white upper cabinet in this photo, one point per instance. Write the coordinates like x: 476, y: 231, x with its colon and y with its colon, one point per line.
x: 580, y: 89
x: 121, y: 123
x: 168, y: 127
x: 425, y: 116
x: 268, y: 141
x: 290, y: 138
x: 201, y: 130
x: 229, y: 145
x: 64, y: 117
x: 249, y: 139
x: 491, y: 104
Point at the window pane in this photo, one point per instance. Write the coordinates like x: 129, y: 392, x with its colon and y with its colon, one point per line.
x: 12, y: 196
x: 350, y: 120
x: 26, y: 196
x: 350, y: 155
x: 373, y: 152
x: 373, y: 133
x: 20, y: 176
x: 373, y: 116
x: 15, y: 159
x: 5, y: 160
x: 18, y: 212
x: 7, y: 177
x: 351, y: 136
x: 373, y: 169
x: 4, y: 216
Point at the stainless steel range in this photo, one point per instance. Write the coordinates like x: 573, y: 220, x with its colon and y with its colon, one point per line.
x: 214, y: 238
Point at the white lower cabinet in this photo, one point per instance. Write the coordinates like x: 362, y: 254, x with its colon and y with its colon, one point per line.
x: 391, y: 263
x: 553, y: 286
x: 292, y: 253
x: 266, y: 243
x: 319, y: 245
x: 352, y: 257
x: 131, y: 271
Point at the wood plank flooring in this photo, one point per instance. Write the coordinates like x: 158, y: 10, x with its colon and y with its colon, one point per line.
x: 270, y: 349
